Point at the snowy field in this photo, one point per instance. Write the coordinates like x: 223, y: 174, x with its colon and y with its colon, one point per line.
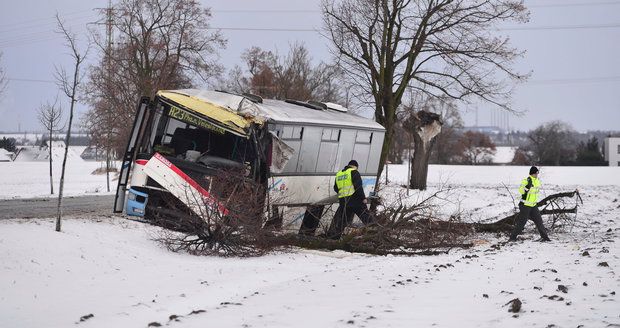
x: 28, y: 179
x: 111, y: 268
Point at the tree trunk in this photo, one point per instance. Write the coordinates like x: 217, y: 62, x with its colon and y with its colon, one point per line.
x: 387, y: 141
x: 385, y: 114
x: 67, y: 139
x: 49, y: 146
x: 107, y: 165
x: 419, y: 169
x: 424, y: 127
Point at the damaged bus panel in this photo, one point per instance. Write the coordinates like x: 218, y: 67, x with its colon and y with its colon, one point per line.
x: 182, y: 138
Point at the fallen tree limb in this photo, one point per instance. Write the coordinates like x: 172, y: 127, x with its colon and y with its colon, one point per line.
x: 569, y: 194
x: 361, y: 244
x: 506, y: 224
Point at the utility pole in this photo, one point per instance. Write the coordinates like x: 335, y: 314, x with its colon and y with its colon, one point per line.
x: 108, y: 85
x: 476, y: 116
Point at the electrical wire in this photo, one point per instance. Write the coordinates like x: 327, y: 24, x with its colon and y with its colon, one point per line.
x: 265, y: 29
x: 532, y: 82
x: 42, y: 19
x: 575, y: 80
x: 30, y: 80
x: 47, y: 24
x: 561, y: 27
x: 44, y: 35
x: 304, y: 11
x: 265, y: 11
x: 35, y: 36
x: 578, y: 4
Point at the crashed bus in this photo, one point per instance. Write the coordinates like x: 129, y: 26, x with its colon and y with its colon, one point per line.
x: 292, y: 148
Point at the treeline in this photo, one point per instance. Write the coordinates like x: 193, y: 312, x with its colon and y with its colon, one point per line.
x: 557, y: 143
x: 553, y: 143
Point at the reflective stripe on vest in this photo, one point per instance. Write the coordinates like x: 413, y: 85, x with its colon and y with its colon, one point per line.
x: 344, y: 182
x: 531, y: 199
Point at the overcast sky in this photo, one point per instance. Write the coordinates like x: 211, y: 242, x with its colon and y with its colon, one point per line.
x: 573, y: 51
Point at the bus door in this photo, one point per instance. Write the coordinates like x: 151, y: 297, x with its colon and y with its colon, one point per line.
x: 123, y: 178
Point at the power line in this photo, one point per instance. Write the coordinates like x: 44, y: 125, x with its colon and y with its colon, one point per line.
x: 579, y: 4
x: 545, y: 81
x: 85, y: 19
x: 266, y: 11
x: 12, y: 26
x: 30, y: 80
x: 302, y: 11
x: 561, y: 27
x: 34, y: 36
x: 46, y: 20
x: 265, y: 29
x: 40, y: 36
x: 525, y: 28
x: 575, y: 80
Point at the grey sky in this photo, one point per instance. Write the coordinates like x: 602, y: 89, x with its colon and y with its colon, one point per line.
x: 572, y: 49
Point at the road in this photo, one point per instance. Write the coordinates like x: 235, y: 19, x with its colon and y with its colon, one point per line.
x: 46, y: 207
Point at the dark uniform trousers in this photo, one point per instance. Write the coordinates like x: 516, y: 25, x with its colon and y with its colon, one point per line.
x: 344, y: 216
x: 525, y: 213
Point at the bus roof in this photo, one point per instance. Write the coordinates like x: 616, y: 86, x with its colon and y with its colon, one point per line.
x: 238, y: 111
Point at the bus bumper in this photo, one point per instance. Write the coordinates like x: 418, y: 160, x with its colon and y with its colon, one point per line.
x: 136, y: 202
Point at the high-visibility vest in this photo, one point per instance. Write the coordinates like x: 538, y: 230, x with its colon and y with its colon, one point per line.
x: 344, y: 182
x: 529, y: 191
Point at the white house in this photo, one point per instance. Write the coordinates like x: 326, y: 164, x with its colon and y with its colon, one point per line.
x: 5, y: 156
x: 612, y: 150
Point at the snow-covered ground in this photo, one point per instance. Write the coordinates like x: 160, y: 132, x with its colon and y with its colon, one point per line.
x: 111, y: 268
x: 504, y: 154
x: 27, y: 179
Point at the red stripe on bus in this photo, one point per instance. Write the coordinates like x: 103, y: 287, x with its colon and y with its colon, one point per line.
x: 192, y: 183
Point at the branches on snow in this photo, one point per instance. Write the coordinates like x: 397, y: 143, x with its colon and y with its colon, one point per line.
x: 402, y: 227
x: 230, y: 223
x: 554, y: 205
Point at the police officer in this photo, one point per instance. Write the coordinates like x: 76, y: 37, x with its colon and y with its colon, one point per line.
x: 351, y: 199
x: 527, y: 206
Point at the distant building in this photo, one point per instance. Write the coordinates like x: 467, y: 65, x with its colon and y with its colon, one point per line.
x: 611, y: 148
x: 484, y: 129
x: 498, y: 135
x: 93, y: 154
x: 5, y: 156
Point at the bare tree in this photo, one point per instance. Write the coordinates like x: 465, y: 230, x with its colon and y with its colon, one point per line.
x: 3, y: 79
x: 589, y: 153
x: 475, y: 148
x: 446, y: 142
x: 69, y: 85
x: 101, y: 125
x: 553, y: 143
x: 8, y: 144
x: 400, y: 148
x: 287, y: 77
x: 261, y: 65
x: 433, y: 47
x: 522, y: 156
x: 158, y: 45
x: 50, y: 116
